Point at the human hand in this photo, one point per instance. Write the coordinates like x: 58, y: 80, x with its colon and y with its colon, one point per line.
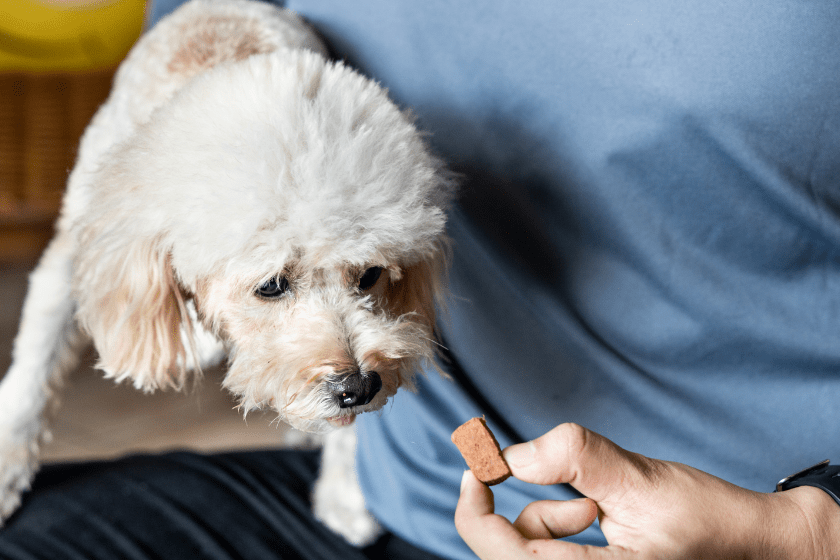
x: 647, y: 509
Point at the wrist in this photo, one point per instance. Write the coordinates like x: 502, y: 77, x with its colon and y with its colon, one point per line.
x: 803, y: 523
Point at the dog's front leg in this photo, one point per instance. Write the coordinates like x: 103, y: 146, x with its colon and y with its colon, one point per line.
x: 45, y: 350
x: 337, y: 498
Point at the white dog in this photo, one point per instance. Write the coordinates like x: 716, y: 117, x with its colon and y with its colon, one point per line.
x: 240, y: 195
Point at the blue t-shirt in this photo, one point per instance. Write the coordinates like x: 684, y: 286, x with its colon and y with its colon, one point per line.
x: 648, y: 239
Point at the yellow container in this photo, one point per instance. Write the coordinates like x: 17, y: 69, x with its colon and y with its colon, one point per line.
x: 67, y: 35
x: 57, y: 59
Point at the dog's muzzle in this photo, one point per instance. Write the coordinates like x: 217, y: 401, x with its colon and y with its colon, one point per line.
x: 356, y: 389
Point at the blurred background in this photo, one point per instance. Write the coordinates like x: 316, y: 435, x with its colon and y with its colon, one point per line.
x: 57, y: 60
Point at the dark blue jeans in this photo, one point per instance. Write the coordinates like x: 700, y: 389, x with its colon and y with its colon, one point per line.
x: 184, y: 506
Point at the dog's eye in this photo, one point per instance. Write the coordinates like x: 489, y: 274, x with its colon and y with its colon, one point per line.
x: 369, y: 278
x: 275, y: 287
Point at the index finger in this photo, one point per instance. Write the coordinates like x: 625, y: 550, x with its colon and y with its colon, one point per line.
x: 492, y: 537
x: 487, y: 534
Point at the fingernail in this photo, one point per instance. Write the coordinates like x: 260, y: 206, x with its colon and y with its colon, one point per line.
x: 464, y: 481
x: 520, y: 455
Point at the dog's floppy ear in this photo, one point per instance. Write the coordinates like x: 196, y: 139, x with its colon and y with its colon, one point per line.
x: 130, y: 303
x: 419, y: 287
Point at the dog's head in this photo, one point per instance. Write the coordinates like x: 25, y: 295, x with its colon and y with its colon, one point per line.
x: 300, y: 213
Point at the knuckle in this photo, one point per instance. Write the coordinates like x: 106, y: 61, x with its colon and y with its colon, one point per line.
x: 463, y: 521
x: 459, y: 520
x: 571, y: 444
x: 575, y: 439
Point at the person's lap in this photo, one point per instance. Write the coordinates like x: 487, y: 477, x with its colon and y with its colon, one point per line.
x: 181, y: 505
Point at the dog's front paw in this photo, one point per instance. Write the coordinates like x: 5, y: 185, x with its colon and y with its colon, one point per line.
x: 18, y: 463
x: 337, y: 499
x: 345, y: 517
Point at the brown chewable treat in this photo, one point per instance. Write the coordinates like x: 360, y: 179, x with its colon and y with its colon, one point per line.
x: 481, y: 451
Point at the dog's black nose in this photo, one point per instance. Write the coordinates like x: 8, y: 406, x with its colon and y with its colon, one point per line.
x: 356, y: 389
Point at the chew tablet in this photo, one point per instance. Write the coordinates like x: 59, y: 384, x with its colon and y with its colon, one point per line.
x: 481, y: 451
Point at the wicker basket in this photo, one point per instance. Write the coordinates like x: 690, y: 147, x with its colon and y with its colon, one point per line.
x: 42, y: 117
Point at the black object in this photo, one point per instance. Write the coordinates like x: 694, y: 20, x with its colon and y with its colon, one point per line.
x: 824, y: 476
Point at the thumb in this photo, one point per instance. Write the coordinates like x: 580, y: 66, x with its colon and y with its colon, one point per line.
x: 589, y: 462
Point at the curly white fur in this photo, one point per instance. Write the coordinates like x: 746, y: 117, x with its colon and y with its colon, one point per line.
x: 232, y: 152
